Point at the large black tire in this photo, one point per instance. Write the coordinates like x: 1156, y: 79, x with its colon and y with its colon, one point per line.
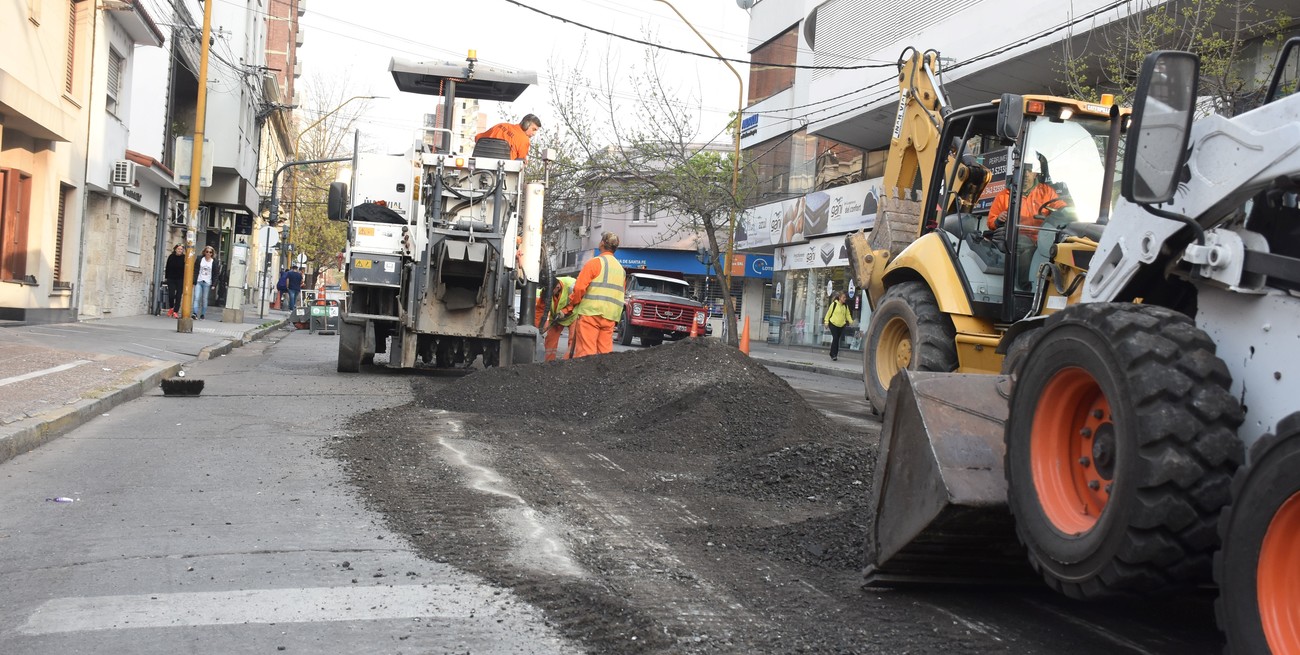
x: 624, y: 331
x: 1257, y: 568
x: 907, y: 331
x: 368, y: 345
x: 1121, y: 445
x: 352, y: 338
x: 1014, y: 361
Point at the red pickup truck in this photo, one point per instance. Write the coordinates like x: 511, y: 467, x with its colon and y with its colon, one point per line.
x: 659, y: 306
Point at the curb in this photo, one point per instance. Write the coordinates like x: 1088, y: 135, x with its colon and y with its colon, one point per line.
x: 812, y: 368
x: 55, y: 423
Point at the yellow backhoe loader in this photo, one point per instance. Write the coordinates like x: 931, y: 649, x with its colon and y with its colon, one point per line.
x: 944, y: 285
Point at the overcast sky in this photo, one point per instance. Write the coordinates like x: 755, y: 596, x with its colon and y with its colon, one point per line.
x: 355, y: 40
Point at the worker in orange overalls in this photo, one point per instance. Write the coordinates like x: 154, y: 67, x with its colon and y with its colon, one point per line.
x: 1037, y: 201
x: 520, y: 137
x: 556, y: 322
x: 597, y: 300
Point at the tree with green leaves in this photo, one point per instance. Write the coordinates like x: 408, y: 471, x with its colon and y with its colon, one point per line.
x: 313, y: 234
x: 1230, y: 36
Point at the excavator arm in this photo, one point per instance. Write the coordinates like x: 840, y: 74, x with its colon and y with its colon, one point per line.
x: 913, y: 148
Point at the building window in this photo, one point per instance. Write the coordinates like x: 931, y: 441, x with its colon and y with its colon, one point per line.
x: 134, y: 233
x: 71, y: 64
x: 15, y: 202
x: 838, y: 164
x: 115, y: 65
x: 65, y: 195
x: 770, y: 68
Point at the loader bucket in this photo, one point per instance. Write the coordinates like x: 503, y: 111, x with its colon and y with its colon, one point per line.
x: 939, y: 494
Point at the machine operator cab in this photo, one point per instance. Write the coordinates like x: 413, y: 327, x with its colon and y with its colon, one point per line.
x: 1046, y: 177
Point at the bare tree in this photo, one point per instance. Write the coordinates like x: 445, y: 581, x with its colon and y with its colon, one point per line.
x: 644, y: 149
x: 1225, y: 33
x: 326, y: 101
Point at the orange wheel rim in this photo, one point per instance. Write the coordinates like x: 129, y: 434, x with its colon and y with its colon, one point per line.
x: 1278, y: 579
x: 1072, y: 452
x: 894, y: 351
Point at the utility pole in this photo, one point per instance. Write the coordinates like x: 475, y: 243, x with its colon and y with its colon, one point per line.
x: 186, y: 322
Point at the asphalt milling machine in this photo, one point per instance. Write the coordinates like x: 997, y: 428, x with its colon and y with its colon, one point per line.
x: 1147, y: 438
x: 443, y: 247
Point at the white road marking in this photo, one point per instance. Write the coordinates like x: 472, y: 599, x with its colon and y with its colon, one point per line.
x: 972, y: 625
x: 540, y: 548
x: 1117, y: 639
x: 37, y: 374
x: 299, y: 605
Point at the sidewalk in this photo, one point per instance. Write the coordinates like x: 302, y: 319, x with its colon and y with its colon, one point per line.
x: 813, y: 360
x: 53, y: 378
x: 56, y: 377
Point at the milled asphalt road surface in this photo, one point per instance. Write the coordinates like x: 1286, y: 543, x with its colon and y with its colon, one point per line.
x: 215, y: 524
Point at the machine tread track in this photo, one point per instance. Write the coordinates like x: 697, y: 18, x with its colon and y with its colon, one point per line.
x: 932, y: 335
x: 1175, y: 449
x: 1260, y: 491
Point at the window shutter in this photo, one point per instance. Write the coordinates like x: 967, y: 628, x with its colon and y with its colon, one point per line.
x: 115, y: 62
x: 72, y: 45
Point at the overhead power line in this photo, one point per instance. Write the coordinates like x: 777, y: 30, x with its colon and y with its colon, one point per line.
x: 690, y: 52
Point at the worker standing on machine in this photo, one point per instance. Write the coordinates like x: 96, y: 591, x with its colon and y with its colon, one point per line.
x: 518, y: 136
x: 597, y: 300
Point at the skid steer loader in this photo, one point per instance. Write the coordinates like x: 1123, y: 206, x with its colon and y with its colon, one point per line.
x: 1151, y: 433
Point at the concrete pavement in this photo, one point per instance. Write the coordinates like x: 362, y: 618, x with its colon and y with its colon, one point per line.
x: 54, y: 378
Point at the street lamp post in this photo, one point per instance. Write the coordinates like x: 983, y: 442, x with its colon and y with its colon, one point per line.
x: 293, y: 199
x: 735, y: 165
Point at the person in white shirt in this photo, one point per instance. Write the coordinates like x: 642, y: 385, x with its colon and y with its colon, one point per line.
x: 204, y: 269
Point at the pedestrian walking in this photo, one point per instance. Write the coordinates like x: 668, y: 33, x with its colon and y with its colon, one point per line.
x: 294, y: 284
x: 838, y: 317
x: 173, y: 276
x: 205, y: 270
x: 281, y: 288
x: 597, y: 300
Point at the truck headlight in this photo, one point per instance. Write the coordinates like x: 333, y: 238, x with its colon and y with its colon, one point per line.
x: 636, y: 309
x: 699, y: 317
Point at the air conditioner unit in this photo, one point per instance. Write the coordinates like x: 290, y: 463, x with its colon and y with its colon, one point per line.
x: 180, y: 213
x: 123, y: 173
x: 582, y: 230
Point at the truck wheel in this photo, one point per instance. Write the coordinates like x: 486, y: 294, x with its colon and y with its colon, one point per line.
x: 1121, y: 444
x: 625, y: 331
x: 1259, y: 602
x: 907, y: 331
x: 351, y: 346
x: 368, y: 345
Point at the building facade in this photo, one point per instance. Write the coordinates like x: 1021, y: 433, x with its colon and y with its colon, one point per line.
x: 823, y: 97
x: 74, y: 213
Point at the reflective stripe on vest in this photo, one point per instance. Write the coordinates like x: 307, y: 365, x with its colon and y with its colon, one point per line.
x: 604, y: 295
x: 562, y: 301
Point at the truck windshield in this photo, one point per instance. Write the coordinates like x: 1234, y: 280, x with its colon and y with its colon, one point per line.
x: 655, y: 285
x: 1070, y: 155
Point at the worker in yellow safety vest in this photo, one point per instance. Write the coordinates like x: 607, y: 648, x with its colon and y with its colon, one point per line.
x: 557, y: 322
x: 597, y: 300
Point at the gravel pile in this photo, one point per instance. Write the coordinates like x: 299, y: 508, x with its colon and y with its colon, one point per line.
x: 693, y: 397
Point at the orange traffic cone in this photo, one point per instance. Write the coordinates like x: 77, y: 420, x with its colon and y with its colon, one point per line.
x: 744, y: 337
x: 275, y: 301
x: 695, y: 331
